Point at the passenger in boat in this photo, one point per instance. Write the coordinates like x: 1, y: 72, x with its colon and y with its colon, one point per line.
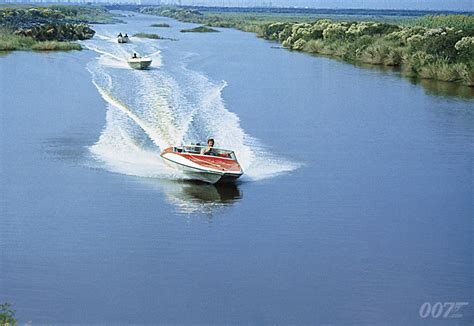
x: 125, y: 35
x: 208, y: 149
x: 120, y: 35
x: 134, y: 56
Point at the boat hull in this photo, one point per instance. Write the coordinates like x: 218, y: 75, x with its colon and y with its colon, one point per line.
x: 139, y: 64
x: 199, y: 171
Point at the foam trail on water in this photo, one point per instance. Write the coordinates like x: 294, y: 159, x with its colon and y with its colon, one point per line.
x: 121, y: 152
x: 148, y: 111
x: 120, y: 56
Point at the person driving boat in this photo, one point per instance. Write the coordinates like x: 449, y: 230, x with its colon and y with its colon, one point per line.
x: 208, y: 149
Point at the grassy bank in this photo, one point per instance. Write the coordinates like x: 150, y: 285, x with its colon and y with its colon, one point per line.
x: 200, y: 29
x: 160, y: 25
x: 431, y: 47
x: 153, y: 36
x: 11, y: 42
x: 17, y: 15
x: 148, y: 35
x: 51, y: 28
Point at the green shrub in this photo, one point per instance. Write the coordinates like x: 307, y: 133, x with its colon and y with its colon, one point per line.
x: 299, y: 45
x: 335, y: 31
x: 466, y: 73
x: 441, y: 42
x: 314, y: 46
x: 272, y: 31
x: 465, y: 47
x: 7, y: 314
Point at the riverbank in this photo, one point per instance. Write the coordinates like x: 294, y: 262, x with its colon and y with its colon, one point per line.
x: 11, y: 41
x: 49, y: 28
x: 428, y: 47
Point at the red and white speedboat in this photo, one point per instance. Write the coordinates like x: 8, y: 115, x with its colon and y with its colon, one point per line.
x: 220, y: 165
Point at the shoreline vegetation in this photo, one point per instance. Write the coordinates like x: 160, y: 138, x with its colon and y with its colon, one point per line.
x: 7, y: 314
x: 438, y: 47
x: 152, y: 36
x: 148, y: 35
x: 51, y: 28
x: 160, y: 25
x: 200, y: 29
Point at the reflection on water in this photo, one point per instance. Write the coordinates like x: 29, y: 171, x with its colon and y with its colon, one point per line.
x: 431, y: 86
x: 196, y: 197
x: 205, y: 193
x: 436, y: 87
x: 189, y: 196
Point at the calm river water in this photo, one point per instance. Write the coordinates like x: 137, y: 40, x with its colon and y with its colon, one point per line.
x: 356, y: 206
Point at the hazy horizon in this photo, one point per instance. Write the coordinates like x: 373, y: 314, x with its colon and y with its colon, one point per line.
x: 457, y: 5
x: 462, y: 5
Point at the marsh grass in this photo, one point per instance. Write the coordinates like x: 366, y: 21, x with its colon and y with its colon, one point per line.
x: 160, y: 25
x: 200, y: 29
x: 56, y: 46
x: 439, y: 21
x: 314, y: 46
x: 10, y: 42
x: 466, y: 72
x: 148, y: 35
x: 53, y: 13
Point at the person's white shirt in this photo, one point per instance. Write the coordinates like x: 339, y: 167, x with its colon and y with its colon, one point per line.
x: 205, y: 150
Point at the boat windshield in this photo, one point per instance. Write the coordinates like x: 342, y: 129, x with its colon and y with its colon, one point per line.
x: 196, y: 149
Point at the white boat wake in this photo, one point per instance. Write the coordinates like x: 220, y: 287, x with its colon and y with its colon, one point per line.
x: 148, y: 111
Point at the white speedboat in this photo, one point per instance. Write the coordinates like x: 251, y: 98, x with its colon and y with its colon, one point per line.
x: 219, y: 165
x: 139, y: 63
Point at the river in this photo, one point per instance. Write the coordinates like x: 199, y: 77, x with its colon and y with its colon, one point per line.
x: 355, y: 207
